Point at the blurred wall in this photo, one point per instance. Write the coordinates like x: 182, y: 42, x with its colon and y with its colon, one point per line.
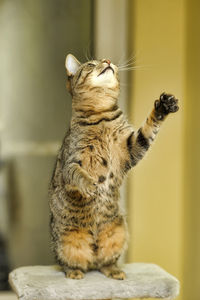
x: 191, y: 286
x: 155, y: 185
x: 35, y: 37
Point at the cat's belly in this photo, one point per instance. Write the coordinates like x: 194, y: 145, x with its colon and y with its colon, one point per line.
x: 92, y: 212
x: 86, y: 249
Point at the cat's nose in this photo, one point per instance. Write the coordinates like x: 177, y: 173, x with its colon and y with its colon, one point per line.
x: 107, y: 61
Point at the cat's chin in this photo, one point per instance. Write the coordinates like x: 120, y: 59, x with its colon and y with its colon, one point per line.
x: 106, y: 80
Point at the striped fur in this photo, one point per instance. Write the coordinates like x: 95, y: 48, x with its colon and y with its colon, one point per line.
x: 88, y: 228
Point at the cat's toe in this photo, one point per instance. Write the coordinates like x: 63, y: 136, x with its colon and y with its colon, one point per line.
x: 169, y: 102
x: 74, y: 274
x: 117, y: 274
x: 113, y: 272
x: 91, y: 189
x: 166, y: 104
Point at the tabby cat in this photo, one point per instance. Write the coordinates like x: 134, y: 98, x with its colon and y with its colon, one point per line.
x: 88, y: 228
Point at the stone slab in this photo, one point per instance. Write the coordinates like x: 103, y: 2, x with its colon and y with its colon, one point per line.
x: 49, y: 282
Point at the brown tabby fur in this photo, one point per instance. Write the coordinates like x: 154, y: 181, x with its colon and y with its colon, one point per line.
x: 88, y: 228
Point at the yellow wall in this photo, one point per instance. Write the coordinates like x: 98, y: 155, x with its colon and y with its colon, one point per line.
x: 155, y: 185
x: 191, y: 286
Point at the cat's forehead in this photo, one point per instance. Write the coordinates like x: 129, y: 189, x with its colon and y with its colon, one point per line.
x: 93, y: 61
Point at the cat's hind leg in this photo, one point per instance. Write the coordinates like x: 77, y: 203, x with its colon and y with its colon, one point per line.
x: 75, y: 253
x: 111, y: 244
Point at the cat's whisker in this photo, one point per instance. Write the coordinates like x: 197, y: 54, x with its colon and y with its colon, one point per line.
x: 122, y: 60
x: 86, y: 56
x: 128, y: 68
x: 87, y: 52
x: 130, y: 59
x: 145, y: 67
x: 126, y: 64
x: 129, y: 62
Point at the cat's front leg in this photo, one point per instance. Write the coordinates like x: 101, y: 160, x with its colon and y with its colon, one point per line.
x: 139, y: 142
x: 79, y: 180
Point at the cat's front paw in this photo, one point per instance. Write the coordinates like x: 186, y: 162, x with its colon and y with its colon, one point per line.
x: 165, y: 105
x: 89, y: 188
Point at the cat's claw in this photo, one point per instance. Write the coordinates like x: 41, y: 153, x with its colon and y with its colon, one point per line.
x: 165, y: 105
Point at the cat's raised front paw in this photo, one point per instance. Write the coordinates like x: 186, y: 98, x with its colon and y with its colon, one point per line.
x: 165, y: 105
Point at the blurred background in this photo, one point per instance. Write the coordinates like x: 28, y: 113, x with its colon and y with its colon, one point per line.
x: 162, y: 194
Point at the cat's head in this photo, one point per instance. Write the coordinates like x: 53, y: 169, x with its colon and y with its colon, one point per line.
x: 95, y: 76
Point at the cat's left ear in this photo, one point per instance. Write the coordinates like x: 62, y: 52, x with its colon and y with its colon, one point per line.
x: 71, y: 65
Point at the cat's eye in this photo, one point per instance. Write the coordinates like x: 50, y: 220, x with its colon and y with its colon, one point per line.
x: 91, y: 65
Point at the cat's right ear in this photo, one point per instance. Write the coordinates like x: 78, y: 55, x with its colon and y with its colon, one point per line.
x: 71, y: 65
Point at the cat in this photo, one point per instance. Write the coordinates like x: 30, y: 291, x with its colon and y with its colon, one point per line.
x: 88, y: 229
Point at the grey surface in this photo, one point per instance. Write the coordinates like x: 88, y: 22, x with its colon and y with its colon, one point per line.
x: 49, y: 282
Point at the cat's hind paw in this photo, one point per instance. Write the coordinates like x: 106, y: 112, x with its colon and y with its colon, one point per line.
x: 74, y: 274
x: 113, y: 272
x: 117, y: 274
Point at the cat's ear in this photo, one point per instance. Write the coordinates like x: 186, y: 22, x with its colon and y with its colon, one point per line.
x: 71, y: 65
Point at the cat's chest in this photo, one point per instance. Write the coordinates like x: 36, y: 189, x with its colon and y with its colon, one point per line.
x: 101, y: 157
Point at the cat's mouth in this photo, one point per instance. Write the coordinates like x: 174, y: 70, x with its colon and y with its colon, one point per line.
x: 107, y: 68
